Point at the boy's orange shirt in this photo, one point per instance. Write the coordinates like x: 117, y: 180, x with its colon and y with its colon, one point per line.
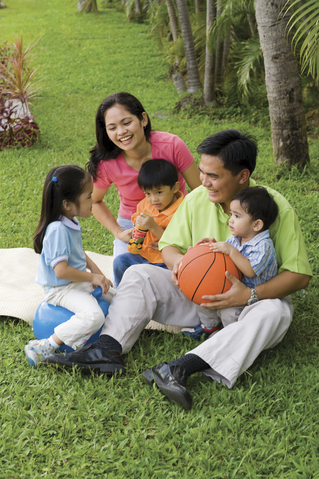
x: 162, y: 218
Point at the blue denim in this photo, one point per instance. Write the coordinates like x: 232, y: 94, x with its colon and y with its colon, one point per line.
x: 120, y: 246
x: 124, y: 261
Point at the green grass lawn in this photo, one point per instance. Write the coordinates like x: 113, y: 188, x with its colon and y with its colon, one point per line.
x: 65, y: 425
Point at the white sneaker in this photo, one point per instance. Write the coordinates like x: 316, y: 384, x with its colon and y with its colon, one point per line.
x: 37, y: 350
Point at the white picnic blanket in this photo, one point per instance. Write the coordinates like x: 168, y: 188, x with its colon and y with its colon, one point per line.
x: 20, y: 295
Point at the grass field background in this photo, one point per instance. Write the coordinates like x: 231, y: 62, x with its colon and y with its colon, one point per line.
x: 65, y: 425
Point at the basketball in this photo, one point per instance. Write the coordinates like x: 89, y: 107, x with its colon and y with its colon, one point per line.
x: 202, y: 271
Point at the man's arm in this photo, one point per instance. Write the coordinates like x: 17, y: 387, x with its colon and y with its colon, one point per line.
x: 172, y: 257
x: 280, y: 286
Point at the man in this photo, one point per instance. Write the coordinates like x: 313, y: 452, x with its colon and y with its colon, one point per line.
x: 227, y: 160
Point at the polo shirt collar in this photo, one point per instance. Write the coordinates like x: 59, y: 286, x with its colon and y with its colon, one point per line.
x: 74, y: 224
x: 255, y: 240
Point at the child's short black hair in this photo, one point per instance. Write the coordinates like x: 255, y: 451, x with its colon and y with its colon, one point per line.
x: 258, y: 204
x: 155, y: 173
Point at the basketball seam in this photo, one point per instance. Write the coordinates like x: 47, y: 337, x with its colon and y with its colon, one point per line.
x: 224, y: 258
x: 194, y: 259
x: 203, y: 277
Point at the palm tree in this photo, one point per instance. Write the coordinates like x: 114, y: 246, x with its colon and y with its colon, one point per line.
x: 194, y: 83
x: 209, y: 57
x: 288, y: 124
x: 172, y: 19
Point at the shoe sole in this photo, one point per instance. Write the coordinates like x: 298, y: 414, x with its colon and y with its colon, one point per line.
x: 107, y: 369
x: 32, y: 357
x: 183, y: 400
x: 148, y: 377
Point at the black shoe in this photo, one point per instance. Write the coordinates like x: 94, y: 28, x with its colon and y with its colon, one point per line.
x: 170, y: 380
x: 89, y: 358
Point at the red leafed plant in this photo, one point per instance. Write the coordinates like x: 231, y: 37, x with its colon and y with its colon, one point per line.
x: 17, y: 87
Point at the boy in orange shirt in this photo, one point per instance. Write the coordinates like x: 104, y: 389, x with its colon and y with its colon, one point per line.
x: 159, y: 181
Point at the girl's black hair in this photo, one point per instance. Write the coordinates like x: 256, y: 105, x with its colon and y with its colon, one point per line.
x: 105, y: 149
x: 70, y: 183
x: 258, y: 204
x: 155, y: 173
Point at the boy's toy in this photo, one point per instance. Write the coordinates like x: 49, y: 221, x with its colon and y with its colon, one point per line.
x: 47, y: 317
x: 202, y: 272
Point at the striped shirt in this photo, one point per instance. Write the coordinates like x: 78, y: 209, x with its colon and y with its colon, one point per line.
x: 261, y: 253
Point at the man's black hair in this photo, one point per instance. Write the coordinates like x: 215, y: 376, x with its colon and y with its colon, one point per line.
x: 237, y: 151
x: 258, y: 204
x: 155, y: 173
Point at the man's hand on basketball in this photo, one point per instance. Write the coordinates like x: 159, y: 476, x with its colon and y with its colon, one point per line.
x: 205, y: 241
x: 238, y: 295
x: 174, y: 272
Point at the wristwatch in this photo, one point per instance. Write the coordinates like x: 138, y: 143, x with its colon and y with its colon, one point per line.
x: 253, y: 297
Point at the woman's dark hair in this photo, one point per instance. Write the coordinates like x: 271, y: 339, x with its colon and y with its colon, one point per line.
x: 65, y: 182
x: 258, y: 204
x: 236, y: 150
x: 155, y: 173
x: 105, y: 149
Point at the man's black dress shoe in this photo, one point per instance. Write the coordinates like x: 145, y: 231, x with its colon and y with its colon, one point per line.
x: 89, y: 358
x: 170, y: 380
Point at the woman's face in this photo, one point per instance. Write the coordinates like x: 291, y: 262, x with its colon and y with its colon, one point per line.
x: 124, y: 129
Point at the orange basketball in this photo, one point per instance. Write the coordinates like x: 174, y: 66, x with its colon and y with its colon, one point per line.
x: 202, y: 271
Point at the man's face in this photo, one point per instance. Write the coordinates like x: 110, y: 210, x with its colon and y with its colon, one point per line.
x: 221, y: 185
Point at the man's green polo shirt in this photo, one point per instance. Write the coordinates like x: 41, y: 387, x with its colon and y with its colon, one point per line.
x: 198, y: 218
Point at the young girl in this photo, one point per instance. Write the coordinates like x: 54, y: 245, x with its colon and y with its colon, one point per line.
x: 67, y: 193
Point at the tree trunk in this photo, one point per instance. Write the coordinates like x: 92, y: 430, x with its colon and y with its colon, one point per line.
x: 137, y: 6
x: 194, y: 83
x: 199, y: 6
x: 219, y: 52
x: 226, y: 49
x: 209, y: 58
x: 172, y: 19
x: 252, y: 24
x: 287, y: 116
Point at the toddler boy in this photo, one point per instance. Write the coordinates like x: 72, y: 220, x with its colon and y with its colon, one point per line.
x: 159, y: 181
x: 253, y: 211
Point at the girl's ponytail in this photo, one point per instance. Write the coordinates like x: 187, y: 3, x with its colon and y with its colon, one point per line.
x: 65, y: 182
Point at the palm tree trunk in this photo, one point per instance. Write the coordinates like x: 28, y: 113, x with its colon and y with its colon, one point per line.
x: 226, y: 49
x: 287, y: 116
x: 252, y: 24
x: 137, y: 6
x: 194, y: 83
x: 199, y: 6
x: 209, y: 58
x: 219, y: 52
x: 172, y: 19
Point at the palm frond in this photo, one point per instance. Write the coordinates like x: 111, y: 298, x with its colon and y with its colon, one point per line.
x: 303, y: 27
x: 248, y: 65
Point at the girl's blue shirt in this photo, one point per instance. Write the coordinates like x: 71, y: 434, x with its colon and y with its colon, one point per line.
x: 62, y: 242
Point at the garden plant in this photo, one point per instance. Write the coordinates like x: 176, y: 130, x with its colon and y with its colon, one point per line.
x: 63, y: 424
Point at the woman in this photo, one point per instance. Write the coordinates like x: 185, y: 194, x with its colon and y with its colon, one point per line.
x: 124, y: 142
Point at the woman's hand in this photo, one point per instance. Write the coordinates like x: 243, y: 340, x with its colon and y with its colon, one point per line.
x: 125, y: 235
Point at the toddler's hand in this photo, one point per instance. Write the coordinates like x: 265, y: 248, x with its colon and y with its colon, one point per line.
x: 221, y: 247
x: 101, y: 280
x: 145, y: 220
